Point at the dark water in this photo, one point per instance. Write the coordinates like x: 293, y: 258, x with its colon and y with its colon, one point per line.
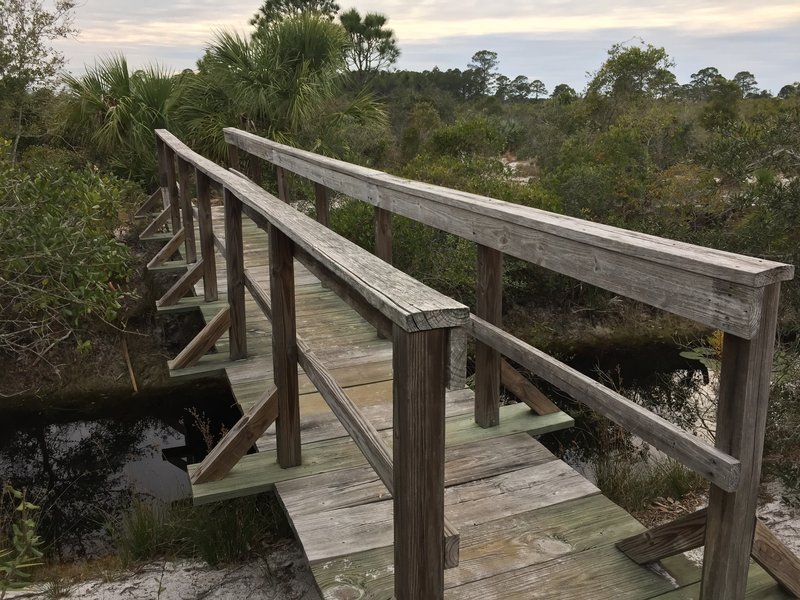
x: 83, y: 473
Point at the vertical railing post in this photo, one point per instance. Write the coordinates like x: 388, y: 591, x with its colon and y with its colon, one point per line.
x: 254, y: 168
x: 184, y: 190
x: 234, y: 254
x: 419, y: 361
x: 488, y: 306
x: 741, y: 422
x: 383, y: 234
x: 172, y: 188
x: 207, y: 249
x: 162, y: 172
x: 283, y: 184
x: 284, y: 347
x: 233, y: 156
x: 322, y: 202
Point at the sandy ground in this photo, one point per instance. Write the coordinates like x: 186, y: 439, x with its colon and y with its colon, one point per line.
x: 283, y: 574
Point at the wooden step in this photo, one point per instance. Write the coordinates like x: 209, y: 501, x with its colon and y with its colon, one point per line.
x: 260, y: 472
x: 158, y: 237
x: 192, y: 303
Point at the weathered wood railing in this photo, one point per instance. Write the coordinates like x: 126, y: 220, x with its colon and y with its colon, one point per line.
x: 418, y: 318
x: 733, y: 293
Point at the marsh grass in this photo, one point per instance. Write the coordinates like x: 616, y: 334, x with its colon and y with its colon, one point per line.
x: 217, y: 533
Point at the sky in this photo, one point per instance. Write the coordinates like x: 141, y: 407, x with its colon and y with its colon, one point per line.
x: 556, y: 41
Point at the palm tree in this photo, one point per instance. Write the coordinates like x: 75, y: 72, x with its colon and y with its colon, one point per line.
x: 114, y: 112
x: 286, y: 84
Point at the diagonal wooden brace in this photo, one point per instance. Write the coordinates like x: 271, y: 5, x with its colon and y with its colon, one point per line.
x: 239, y: 439
x: 170, y: 248
x: 151, y: 204
x: 523, y: 389
x: 183, y: 285
x: 203, y: 341
x: 160, y: 221
x: 688, y: 532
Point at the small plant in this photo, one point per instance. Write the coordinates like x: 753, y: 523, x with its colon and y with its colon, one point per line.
x: 19, y: 542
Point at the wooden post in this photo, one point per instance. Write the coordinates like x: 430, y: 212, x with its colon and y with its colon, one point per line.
x: 419, y: 396
x: 283, y: 184
x: 383, y: 234
x: 172, y: 188
x: 323, y: 204
x: 184, y: 178
x: 254, y: 168
x: 284, y: 347
x: 162, y: 172
x: 489, y: 306
x: 207, y: 249
x: 233, y: 156
x: 234, y: 250
x: 741, y: 421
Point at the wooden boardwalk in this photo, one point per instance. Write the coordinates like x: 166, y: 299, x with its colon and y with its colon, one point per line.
x: 530, y: 526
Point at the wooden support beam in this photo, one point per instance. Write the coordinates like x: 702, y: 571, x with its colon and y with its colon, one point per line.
x: 159, y: 222
x: 741, y: 422
x: 162, y: 171
x: 457, y: 359
x: 254, y: 171
x: 709, y: 462
x: 153, y: 203
x: 284, y: 347
x: 525, y: 391
x: 419, y: 398
x: 384, y: 234
x: 239, y: 439
x: 322, y: 203
x: 169, y: 249
x: 183, y: 286
x: 688, y: 532
x: 681, y: 535
x: 187, y: 215
x: 172, y: 188
x: 283, y: 184
x: 233, y: 156
x: 489, y: 306
x: 206, y: 227
x: 776, y: 559
x: 234, y: 244
x: 203, y: 341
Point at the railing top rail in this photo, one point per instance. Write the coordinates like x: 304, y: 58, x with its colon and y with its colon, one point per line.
x: 405, y: 301
x: 728, y: 266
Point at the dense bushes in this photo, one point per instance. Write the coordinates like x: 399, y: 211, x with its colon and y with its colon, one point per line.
x: 59, y: 257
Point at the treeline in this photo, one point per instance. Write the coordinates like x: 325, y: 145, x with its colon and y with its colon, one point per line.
x: 714, y: 161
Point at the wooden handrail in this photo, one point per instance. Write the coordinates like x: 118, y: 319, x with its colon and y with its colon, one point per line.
x: 714, y: 287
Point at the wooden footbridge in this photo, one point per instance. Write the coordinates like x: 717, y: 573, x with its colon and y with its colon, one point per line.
x: 400, y: 481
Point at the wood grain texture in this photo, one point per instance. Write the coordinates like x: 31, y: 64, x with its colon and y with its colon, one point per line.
x: 685, y: 533
x: 234, y: 160
x: 234, y: 259
x: 384, y: 234
x: 203, y: 341
x: 187, y: 215
x: 741, y: 422
x: 284, y: 347
x: 776, y: 559
x: 172, y: 188
x: 418, y: 449
x: 158, y: 223
x: 168, y: 251
x: 206, y: 227
x: 525, y: 391
x: 283, y: 185
x: 489, y: 307
x: 322, y: 204
x: 457, y: 359
x: 711, y: 463
x: 238, y: 440
x: 183, y: 286
x: 717, y: 288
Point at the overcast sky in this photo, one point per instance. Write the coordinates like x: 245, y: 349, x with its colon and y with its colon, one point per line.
x: 552, y: 40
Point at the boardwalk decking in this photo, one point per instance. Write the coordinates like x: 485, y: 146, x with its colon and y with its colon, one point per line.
x: 530, y: 526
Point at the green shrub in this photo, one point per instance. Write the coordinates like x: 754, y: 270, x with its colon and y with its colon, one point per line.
x: 59, y: 258
x: 19, y: 542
